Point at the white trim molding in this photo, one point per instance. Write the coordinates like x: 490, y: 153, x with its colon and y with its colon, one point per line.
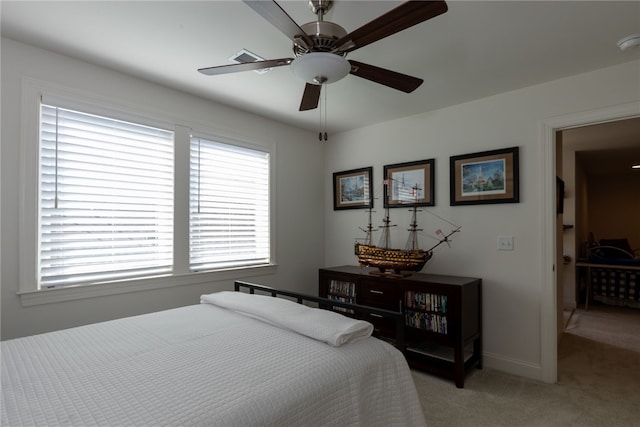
x: 548, y: 287
x: 71, y: 293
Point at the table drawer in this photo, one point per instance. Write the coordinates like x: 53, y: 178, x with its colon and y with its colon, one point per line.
x: 380, y: 295
x: 381, y: 325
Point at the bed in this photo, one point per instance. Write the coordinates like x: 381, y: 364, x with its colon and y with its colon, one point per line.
x: 224, y: 362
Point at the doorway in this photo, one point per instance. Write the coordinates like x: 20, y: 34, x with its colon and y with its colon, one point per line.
x: 551, y: 306
x: 601, y: 197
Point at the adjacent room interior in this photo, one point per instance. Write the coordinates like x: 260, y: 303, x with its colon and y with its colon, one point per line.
x: 600, y: 203
x: 600, y: 198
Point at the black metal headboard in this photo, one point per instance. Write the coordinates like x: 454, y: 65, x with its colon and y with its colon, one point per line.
x: 329, y: 304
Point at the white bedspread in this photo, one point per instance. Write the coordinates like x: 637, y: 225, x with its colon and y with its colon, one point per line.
x: 202, y: 365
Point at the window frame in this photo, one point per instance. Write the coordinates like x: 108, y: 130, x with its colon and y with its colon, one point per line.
x: 70, y: 172
x: 242, y: 145
x: 33, y: 91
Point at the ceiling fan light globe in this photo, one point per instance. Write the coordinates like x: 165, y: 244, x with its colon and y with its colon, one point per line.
x: 629, y: 42
x: 315, y: 67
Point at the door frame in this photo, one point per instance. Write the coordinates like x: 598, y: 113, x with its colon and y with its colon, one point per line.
x: 547, y: 167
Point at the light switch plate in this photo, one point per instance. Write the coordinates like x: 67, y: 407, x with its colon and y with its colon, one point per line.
x: 505, y: 243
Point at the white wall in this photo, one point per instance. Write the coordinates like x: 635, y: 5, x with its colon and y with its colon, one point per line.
x: 512, y: 281
x: 299, y: 219
x: 614, y: 207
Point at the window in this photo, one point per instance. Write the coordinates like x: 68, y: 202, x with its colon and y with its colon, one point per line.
x: 229, y: 206
x: 112, y: 197
x: 106, y: 198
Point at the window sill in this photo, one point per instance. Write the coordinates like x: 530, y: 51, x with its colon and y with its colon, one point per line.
x: 48, y: 296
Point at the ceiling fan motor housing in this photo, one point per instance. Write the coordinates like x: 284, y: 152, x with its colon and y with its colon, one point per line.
x: 324, y: 35
x: 320, y: 6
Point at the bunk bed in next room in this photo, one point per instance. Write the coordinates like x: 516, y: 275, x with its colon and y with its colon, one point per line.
x: 612, y: 273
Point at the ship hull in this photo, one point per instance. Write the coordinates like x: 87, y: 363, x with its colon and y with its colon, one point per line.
x: 391, y: 259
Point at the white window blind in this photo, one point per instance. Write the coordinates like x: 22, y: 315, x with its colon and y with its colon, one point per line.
x: 106, y: 198
x: 229, y: 206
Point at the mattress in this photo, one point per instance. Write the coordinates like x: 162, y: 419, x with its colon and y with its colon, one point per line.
x: 202, y: 365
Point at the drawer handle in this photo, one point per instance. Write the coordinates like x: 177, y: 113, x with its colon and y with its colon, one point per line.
x: 376, y: 292
x: 375, y: 315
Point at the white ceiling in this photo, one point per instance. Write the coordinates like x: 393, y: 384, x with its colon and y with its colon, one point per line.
x: 610, y: 148
x: 476, y: 49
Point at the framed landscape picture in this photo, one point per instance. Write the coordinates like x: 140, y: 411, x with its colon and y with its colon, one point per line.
x: 485, y: 177
x: 409, y: 184
x: 352, y: 189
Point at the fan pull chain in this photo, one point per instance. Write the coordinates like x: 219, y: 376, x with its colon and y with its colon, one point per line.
x: 323, y: 105
x: 320, y: 122
x: 325, y: 112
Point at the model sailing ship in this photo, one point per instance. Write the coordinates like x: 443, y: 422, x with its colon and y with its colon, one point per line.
x: 384, y: 258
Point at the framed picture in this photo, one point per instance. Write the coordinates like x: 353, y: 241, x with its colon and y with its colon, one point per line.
x: 485, y: 177
x: 352, y: 189
x: 409, y: 184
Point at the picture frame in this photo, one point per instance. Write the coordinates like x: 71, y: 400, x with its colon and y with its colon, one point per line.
x: 409, y: 184
x: 352, y: 189
x: 485, y: 177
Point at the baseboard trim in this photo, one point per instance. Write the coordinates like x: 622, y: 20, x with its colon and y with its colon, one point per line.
x: 568, y: 319
x: 512, y: 366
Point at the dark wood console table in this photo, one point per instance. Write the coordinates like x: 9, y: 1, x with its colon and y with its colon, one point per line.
x: 443, y: 314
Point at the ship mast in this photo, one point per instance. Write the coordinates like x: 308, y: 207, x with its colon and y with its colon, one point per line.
x: 385, y: 238
x: 412, y: 241
x: 368, y: 231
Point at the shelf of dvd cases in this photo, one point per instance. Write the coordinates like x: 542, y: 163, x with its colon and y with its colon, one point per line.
x: 426, y: 311
x: 427, y: 321
x: 342, y: 290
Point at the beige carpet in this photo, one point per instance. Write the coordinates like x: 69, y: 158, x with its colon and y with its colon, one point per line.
x: 598, y: 384
x: 617, y: 326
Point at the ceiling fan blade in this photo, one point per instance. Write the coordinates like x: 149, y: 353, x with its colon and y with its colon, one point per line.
x: 385, y: 77
x: 272, y: 12
x: 245, y: 66
x: 310, y: 97
x: 402, y: 17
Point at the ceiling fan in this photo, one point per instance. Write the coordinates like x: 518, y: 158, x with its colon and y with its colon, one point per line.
x: 320, y: 47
